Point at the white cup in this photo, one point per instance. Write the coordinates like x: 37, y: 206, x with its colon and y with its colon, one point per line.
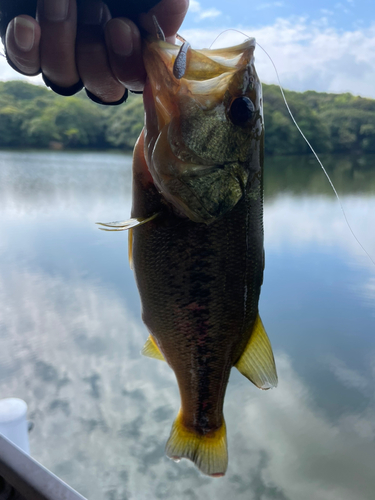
x: 13, y: 422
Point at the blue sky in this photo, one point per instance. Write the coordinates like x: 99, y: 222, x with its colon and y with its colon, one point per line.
x: 344, y: 15
x: 327, y: 46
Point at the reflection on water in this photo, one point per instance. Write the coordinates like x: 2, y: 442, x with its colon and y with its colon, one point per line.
x: 70, y: 336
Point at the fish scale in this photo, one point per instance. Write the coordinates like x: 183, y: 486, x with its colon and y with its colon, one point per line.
x: 196, y: 239
x: 191, y: 279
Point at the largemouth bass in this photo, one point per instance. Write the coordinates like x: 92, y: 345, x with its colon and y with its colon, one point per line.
x: 197, y: 244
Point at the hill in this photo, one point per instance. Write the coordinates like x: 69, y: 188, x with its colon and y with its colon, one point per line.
x: 32, y: 116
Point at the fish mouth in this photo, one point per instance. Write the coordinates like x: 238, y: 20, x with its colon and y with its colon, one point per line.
x: 197, y: 157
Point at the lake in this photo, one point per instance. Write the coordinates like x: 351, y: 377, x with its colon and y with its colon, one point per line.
x: 71, y: 335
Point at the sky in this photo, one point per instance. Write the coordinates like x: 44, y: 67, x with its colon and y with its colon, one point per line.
x: 327, y: 46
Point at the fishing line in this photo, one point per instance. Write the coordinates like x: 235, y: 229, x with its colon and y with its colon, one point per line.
x: 307, y: 142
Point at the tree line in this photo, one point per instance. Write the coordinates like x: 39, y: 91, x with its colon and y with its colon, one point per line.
x: 32, y: 116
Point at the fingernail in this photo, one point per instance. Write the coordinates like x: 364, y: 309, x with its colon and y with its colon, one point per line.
x: 55, y: 10
x: 120, y: 37
x: 24, y: 33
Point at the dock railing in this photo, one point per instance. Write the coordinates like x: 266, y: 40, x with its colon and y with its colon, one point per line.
x: 23, y: 478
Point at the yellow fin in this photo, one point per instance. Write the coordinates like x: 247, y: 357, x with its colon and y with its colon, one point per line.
x: 125, y: 224
x: 151, y: 350
x: 257, y: 362
x: 130, y: 248
x: 208, y: 451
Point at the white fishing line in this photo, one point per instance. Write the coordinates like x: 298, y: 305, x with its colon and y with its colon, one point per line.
x: 307, y: 142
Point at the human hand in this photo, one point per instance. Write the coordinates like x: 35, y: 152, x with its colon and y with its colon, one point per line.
x: 86, y: 46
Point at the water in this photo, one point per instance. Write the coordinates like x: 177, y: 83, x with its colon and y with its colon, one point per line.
x: 70, y: 337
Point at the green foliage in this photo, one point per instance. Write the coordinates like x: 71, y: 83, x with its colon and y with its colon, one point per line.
x: 10, y: 125
x: 32, y: 116
x: 21, y: 91
x: 125, y: 124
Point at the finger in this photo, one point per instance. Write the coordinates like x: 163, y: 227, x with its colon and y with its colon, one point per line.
x: 169, y: 14
x: 124, y: 40
x: 125, y: 52
x: 92, y: 60
x: 22, y: 44
x: 58, y: 21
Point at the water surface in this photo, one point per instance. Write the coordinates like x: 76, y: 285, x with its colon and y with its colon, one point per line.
x: 71, y: 334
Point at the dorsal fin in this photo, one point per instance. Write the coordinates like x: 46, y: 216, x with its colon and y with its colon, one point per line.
x: 257, y: 362
x: 151, y: 349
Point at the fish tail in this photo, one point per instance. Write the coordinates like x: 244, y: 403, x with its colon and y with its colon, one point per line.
x: 207, y: 451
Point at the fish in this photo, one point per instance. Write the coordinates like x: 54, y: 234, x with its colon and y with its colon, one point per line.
x: 196, y: 234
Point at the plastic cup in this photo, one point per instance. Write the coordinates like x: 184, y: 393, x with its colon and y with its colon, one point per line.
x: 13, y: 422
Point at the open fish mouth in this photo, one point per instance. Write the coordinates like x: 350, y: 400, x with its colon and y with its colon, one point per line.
x: 203, y: 111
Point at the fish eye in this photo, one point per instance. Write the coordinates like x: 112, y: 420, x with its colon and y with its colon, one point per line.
x: 241, y: 111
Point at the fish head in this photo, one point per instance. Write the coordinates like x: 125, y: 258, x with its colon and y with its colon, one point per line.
x: 204, y: 126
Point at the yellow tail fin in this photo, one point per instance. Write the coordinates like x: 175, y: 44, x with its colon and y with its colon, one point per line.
x: 208, y: 452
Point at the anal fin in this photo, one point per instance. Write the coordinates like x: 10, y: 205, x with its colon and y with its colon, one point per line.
x: 257, y: 362
x: 151, y: 349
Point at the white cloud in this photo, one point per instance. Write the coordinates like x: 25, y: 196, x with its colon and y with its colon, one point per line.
x: 70, y: 347
x: 307, y: 55
x: 202, y: 14
x: 102, y: 413
x: 300, y: 443
x: 209, y: 13
x: 194, y: 6
x: 347, y: 376
x: 8, y: 73
x: 57, y: 194
x: 300, y: 221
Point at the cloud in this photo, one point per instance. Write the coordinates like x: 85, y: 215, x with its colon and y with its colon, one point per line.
x: 209, y: 13
x: 296, y: 221
x: 308, y: 55
x: 8, y: 73
x: 298, y: 442
x: 370, y: 289
x: 57, y: 193
x: 327, y: 12
x: 349, y: 377
x: 196, y: 8
x: 102, y: 413
x: 69, y: 346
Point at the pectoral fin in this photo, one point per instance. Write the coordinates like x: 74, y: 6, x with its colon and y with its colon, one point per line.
x: 125, y: 224
x: 151, y: 350
x: 257, y: 362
